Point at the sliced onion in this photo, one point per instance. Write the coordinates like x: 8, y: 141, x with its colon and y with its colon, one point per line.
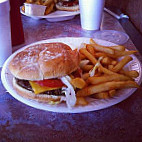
x: 92, y: 72
x: 69, y: 92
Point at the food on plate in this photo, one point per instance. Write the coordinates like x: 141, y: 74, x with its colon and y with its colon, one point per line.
x: 81, y: 101
x: 78, y: 83
x: 122, y: 63
x: 54, y: 73
x: 103, y: 78
x: 41, y: 72
x: 102, y: 87
x: 67, y: 5
x: 50, y: 5
x: 104, y: 71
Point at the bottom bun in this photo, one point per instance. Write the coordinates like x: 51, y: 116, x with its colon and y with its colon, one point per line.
x: 30, y: 95
x: 67, y: 8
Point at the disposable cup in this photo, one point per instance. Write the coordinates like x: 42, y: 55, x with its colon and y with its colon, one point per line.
x: 91, y: 12
x: 5, y: 31
x: 34, y: 9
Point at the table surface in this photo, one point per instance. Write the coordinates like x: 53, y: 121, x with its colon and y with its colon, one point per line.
x: 22, y: 123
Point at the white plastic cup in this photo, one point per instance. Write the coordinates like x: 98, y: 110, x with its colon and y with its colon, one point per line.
x: 91, y: 12
x: 5, y: 31
x: 34, y: 9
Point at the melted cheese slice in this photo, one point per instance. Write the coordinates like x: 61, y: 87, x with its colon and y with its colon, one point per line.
x: 40, y: 89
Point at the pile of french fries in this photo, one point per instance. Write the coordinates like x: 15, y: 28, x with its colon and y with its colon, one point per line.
x: 50, y: 5
x: 103, y: 72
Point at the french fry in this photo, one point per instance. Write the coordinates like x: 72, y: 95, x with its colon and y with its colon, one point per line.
x: 81, y: 101
x: 114, y: 62
x: 108, y: 78
x: 47, y: 2
x: 100, y: 54
x: 29, y: 1
x: 117, y: 54
x: 102, y: 95
x: 109, y: 75
x: 90, y: 49
x: 87, y: 68
x: 78, y: 83
x: 97, y: 74
x: 112, y: 93
x: 110, y: 67
x: 102, y: 49
x: 49, y: 8
x: 38, y: 2
x: 106, y: 71
x: 124, y: 53
x: 88, y: 55
x: 117, y: 47
x: 132, y: 73
x: 82, y: 57
x: 23, y: 8
x: 85, y: 76
x: 122, y: 63
x: 90, y: 90
x: 106, y: 61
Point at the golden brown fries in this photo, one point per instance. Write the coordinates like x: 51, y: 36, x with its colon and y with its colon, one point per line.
x: 124, y: 53
x: 102, y: 49
x: 132, y: 74
x: 90, y: 90
x: 88, y: 55
x: 122, y: 63
x: 87, y: 68
x: 101, y: 79
x: 78, y: 83
x: 103, y: 71
x: 100, y: 54
x: 110, y: 67
x: 85, y: 76
x: 112, y: 93
x: 29, y: 1
x: 106, y: 61
x: 90, y: 49
x: 114, y: 62
x: 108, y: 70
x: 117, y: 54
x: 49, y: 8
x: 82, y: 57
x: 102, y: 95
x: 81, y: 101
x: 118, y: 47
x: 48, y: 2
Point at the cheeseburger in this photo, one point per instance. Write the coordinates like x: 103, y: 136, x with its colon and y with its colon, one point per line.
x: 67, y: 5
x: 41, y: 72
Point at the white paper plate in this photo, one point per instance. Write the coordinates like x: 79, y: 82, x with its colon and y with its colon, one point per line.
x: 54, y: 16
x: 94, y: 104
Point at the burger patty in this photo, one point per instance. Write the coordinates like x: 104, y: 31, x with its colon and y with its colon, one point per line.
x: 26, y: 85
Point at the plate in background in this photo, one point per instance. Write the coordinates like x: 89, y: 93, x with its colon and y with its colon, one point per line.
x: 54, y: 16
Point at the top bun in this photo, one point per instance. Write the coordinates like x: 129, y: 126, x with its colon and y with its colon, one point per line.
x: 44, y: 61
